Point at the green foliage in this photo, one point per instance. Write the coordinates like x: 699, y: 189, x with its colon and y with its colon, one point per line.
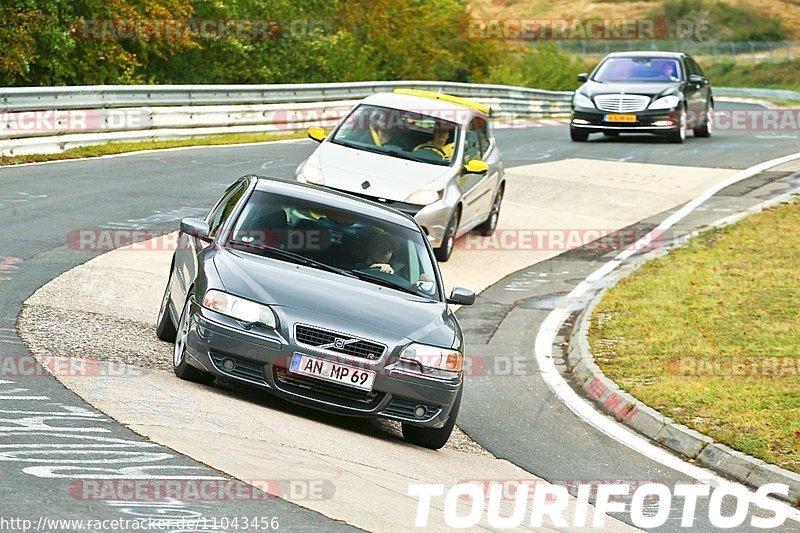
x: 543, y: 67
x: 75, y: 42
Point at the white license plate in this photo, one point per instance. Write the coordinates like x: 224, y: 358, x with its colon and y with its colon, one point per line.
x: 331, y: 371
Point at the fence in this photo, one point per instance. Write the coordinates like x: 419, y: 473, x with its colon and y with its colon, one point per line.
x: 736, y: 51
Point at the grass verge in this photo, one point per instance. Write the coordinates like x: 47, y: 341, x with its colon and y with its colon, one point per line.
x: 709, y: 335
x: 121, y: 147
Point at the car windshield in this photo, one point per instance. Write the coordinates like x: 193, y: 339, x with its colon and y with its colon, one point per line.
x: 336, y: 240
x: 639, y: 69
x: 402, y: 134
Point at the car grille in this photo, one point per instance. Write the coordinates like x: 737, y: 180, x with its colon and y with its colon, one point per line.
x: 246, y: 370
x: 337, y: 342
x: 405, y: 409
x: 621, y: 103
x: 324, y: 388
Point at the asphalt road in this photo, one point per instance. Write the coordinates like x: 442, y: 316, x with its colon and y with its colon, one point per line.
x: 41, y: 204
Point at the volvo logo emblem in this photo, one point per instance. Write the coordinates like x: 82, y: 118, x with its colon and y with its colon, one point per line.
x: 338, y: 343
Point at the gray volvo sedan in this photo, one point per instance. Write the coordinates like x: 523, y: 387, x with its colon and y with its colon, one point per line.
x: 321, y: 298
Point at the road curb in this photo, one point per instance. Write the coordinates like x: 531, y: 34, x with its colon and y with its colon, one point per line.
x: 626, y: 409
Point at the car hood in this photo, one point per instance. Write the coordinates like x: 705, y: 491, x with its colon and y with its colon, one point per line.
x: 592, y: 88
x: 304, y: 294
x: 392, y: 178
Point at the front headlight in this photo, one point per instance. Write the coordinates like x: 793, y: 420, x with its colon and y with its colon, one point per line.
x: 424, y: 197
x: 240, y: 309
x: 665, y: 102
x: 581, y: 100
x: 434, y: 357
x: 312, y: 172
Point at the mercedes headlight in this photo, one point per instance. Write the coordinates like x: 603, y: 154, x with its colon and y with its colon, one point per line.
x: 665, y: 102
x: 424, y: 197
x: 581, y: 100
x: 312, y: 172
x: 243, y: 310
x: 434, y: 357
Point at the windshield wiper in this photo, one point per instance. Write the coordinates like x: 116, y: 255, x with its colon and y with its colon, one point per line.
x: 365, y: 275
x: 297, y: 258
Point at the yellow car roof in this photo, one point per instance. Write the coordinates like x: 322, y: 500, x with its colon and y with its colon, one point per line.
x: 485, y: 109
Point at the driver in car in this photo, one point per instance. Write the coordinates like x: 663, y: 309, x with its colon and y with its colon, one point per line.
x: 439, y: 142
x: 379, y: 252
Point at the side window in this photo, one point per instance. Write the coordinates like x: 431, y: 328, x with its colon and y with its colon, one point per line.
x: 483, y: 135
x: 696, y: 68
x: 219, y: 214
x: 476, y: 140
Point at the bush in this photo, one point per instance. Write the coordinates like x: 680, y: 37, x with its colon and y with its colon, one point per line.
x: 544, y: 66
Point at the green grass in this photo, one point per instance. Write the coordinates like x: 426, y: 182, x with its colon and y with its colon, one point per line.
x: 766, y: 75
x: 121, y: 147
x: 730, y: 298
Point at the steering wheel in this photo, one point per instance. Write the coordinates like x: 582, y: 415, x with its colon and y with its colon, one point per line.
x: 434, y: 148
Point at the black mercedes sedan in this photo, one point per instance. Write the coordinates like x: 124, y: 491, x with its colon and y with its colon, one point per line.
x: 321, y: 298
x: 662, y: 93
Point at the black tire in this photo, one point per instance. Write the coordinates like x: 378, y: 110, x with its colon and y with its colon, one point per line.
x: 578, y: 135
x: 678, y: 135
x: 444, y: 251
x: 165, y: 327
x: 706, y: 129
x: 182, y: 368
x: 611, y: 133
x: 490, y: 224
x: 433, y: 438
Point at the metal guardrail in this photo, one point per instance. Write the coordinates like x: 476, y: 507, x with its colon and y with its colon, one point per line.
x: 53, y: 119
x: 766, y: 94
x: 115, y: 96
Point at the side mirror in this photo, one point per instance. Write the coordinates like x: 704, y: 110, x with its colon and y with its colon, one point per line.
x: 196, y: 228
x: 583, y: 77
x: 316, y: 133
x: 461, y: 296
x: 476, y: 166
x: 697, y: 79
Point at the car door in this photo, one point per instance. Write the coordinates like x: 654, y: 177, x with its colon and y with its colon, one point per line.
x: 473, y: 186
x: 695, y: 100
x: 491, y: 155
x: 188, y: 247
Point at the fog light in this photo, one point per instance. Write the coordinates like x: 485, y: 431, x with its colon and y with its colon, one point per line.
x: 419, y: 412
x: 579, y: 121
x: 228, y: 364
x: 662, y: 123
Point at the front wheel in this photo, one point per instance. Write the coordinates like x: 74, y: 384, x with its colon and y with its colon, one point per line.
x: 490, y: 224
x: 444, y: 251
x: 705, y: 129
x: 180, y: 366
x: 433, y: 438
x: 578, y: 135
x: 679, y: 135
x: 165, y: 327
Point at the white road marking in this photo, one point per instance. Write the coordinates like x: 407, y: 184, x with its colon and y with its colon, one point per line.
x: 546, y: 336
x: 160, y: 150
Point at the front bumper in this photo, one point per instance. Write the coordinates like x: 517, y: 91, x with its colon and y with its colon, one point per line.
x: 261, y: 358
x: 659, y: 122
